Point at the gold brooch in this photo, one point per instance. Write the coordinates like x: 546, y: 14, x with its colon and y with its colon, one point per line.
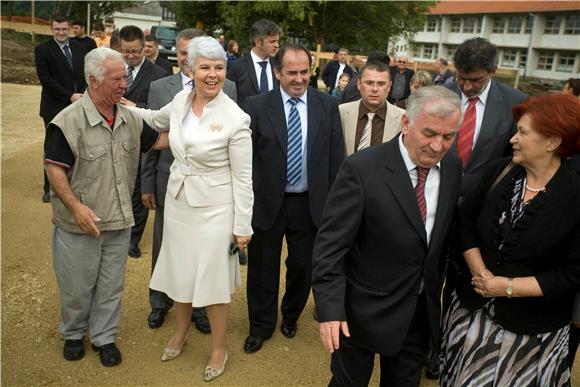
x: 216, y: 127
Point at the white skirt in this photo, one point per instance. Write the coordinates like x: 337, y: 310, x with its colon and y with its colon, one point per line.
x: 194, y: 264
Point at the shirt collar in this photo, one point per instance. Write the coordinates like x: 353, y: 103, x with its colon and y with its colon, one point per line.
x: 482, y: 96
x: 136, y: 68
x: 256, y: 59
x: 61, y: 45
x: 409, y: 164
x: 184, y: 79
x: 286, y: 97
x: 380, y: 112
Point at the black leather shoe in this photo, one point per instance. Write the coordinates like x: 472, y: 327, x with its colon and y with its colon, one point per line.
x: 156, y: 318
x: 109, y: 353
x: 253, y: 343
x: 242, y: 258
x: 134, y: 251
x: 288, y: 330
x: 201, y: 324
x: 46, y: 197
x: 73, y: 350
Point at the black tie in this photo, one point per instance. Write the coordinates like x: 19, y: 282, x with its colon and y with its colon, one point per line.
x: 263, y: 77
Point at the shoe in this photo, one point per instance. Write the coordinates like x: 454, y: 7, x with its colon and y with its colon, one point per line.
x: 242, y: 258
x: 156, y: 318
x: 109, y: 353
x: 134, y: 251
x: 73, y: 350
x: 210, y: 373
x: 288, y: 330
x: 46, y: 197
x: 253, y: 343
x: 202, y: 324
x: 172, y: 353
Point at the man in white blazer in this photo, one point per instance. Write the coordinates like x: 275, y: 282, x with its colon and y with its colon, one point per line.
x: 371, y: 120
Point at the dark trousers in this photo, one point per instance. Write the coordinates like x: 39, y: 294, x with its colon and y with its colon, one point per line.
x: 140, y: 212
x: 352, y: 366
x: 46, y: 186
x: 294, y: 223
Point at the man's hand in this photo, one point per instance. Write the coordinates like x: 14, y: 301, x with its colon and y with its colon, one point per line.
x: 330, y: 333
x: 75, y: 97
x: 86, y: 219
x: 126, y: 102
x: 148, y: 201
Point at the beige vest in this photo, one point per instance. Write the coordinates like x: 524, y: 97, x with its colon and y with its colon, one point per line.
x: 105, y: 167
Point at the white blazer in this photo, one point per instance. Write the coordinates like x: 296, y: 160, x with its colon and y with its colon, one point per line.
x: 216, y: 168
x: 349, y: 120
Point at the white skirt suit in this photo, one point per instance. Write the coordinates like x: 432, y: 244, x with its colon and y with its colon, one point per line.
x: 209, y: 199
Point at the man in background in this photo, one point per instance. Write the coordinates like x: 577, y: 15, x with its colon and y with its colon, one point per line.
x: 443, y: 73
x: 335, y: 68
x: 152, y: 53
x: 78, y: 28
x: 401, y: 83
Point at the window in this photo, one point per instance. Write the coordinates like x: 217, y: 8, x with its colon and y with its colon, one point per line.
x: 498, y: 25
x: 455, y: 24
x: 509, y: 58
x: 566, y: 62
x: 545, y: 60
x: 432, y: 24
x: 515, y: 24
x: 451, y: 52
x: 553, y: 25
x: 469, y: 25
x: 572, y: 25
x: 529, y: 24
x: 428, y: 51
x: 479, y: 23
x: 523, y: 59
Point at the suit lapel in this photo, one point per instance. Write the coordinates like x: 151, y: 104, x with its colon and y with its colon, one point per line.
x: 175, y: 85
x: 60, y: 55
x: 350, y: 123
x: 391, y: 125
x: 443, y: 202
x: 140, y: 76
x: 251, y: 70
x: 399, y: 183
x: 314, y: 115
x: 277, y: 118
x: 275, y: 83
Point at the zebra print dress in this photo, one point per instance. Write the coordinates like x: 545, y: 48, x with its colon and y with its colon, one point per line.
x: 478, y: 352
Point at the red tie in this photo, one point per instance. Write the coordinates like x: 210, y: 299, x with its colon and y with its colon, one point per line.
x: 420, y: 191
x: 465, y: 139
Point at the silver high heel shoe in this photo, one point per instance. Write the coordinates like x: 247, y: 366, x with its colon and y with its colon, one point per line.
x: 210, y: 373
x: 172, y: 353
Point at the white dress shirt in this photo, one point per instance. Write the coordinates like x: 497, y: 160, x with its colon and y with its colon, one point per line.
x: 302, y: 185
x: 341, y: 67
x: 258, y: 68
x: 185, y: 82
x: 479, y: 109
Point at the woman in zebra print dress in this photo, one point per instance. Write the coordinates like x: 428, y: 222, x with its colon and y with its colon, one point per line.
x: 519, y: 230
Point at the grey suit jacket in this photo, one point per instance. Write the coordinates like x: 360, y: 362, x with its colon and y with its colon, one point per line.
x: 497, y: 128
x: 155, y: 164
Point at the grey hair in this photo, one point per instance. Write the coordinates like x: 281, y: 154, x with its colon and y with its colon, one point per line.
x: 205, y: 46
x: 95, y: 62
x: 435, y: 101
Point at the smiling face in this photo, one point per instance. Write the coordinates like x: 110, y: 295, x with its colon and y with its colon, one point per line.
x: 78, y: 31
x: 60, y: 31
x: 430, y: 137
x: 529, y: 145
x: 295, y: 73
x: 374, y: 88
x: 209, y: 76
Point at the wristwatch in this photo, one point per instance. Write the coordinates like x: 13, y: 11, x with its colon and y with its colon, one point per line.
x: 509, y: 289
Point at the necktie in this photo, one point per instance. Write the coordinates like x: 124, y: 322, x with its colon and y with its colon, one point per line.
x: 129, y: 76
x: 294, y: 167
x: 420, y: 191
x: 466, y: 132
x: 263, y: 77
x: 365, y: 138
x: 68, y: 55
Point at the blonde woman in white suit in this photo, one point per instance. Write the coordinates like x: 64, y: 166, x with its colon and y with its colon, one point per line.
x: 209, y: 200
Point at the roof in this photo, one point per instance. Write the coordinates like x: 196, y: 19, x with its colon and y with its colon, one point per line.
x: 450, y: 7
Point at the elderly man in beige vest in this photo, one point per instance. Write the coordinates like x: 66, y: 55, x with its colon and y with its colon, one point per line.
x: 92, y: 150
x: 370, y: 120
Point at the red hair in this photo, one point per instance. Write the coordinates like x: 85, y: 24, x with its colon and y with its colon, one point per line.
x: 554, y: 115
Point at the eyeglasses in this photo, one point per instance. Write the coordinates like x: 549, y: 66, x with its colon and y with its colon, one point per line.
x: 132, y: 52
x: 402, y: 62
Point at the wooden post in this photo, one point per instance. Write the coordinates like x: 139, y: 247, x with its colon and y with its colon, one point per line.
x: 32, y: 19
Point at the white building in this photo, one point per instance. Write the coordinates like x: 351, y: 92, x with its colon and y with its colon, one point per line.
x: 541, y: 38
x: 144, y: 15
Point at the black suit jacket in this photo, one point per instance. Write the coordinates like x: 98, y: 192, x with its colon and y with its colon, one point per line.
x: 164, y: 64
x: 139, y: 89
x: 371, y: 251
x: 408, y: 73
x: 243, y: 73
x: 497, y: 128
x: 59, y: 82
x: 330, y: 70
x: 325, y: 150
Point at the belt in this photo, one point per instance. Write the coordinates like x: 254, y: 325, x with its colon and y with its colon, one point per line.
x: 189, y: 170
x: 295, y: 194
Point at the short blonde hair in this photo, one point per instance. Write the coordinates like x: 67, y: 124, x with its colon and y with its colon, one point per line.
x: 421, y: 78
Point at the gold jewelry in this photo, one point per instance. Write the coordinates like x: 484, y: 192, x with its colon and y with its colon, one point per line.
x: 509, y: 290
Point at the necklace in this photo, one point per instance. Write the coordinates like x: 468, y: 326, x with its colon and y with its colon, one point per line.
x: 535, y: 190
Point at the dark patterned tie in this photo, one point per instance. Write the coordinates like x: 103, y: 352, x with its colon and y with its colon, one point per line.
x: 294, y: 167
x: 420, y: 191
x: 68, y: 55
x: 263, y: 77
x: 129, y: 77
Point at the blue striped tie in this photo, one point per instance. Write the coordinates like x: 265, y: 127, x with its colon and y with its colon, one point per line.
x: 294, y: 168
x: 68, y: 56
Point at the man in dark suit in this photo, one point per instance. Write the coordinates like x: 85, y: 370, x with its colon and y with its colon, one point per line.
x: 298, y: 146
x: 78, y: 28
x: 152, y: 53
x: 155, y: 174
x: 59, y: 66
x: 377, y: 256
x: 400, y: 83
x: 140, y: 74
x: 254, y: 73
x: 335, y: 68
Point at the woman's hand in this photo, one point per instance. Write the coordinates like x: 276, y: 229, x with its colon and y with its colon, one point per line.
x: 242, y: 241
x: 488, y: 285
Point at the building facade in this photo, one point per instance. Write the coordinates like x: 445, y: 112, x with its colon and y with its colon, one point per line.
x: 540, y: 38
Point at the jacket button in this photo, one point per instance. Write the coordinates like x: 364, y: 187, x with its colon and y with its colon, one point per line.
x: 498, y: 263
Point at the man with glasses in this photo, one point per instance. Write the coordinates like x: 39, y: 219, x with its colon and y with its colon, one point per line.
x: 401, y: 87
x: 140, y: 74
